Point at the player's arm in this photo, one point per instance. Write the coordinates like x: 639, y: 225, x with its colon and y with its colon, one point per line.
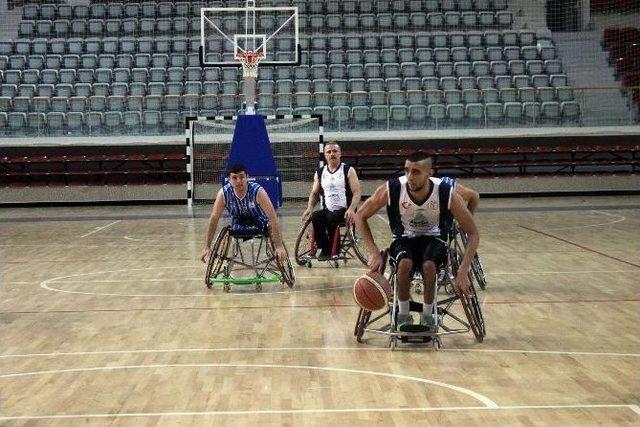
x: 468, y: 225
x: 267, y: 207
x: 372, y: 205
x: 314, y: 196
x: 216, y: 213
x: 354, y: 184
x: 274, y: 226
x: 470, y: 196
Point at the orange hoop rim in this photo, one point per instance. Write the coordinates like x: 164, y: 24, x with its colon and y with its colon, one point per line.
x: 250, y: 57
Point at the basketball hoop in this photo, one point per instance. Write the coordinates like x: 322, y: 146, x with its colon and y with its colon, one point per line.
x: 250, y: 60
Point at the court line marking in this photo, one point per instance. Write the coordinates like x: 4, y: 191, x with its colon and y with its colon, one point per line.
x: 311, y: 349
x: 385, y: 220
x: 319, y: 411
x: 182, y: 279
x: 586, y: 248
x: 45, y: 285
x: 100, y: 228
x: 619, y: 218
x: 134, y: 239
x: 477, y: 396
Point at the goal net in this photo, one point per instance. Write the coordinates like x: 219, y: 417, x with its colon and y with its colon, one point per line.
x: 296, y: 143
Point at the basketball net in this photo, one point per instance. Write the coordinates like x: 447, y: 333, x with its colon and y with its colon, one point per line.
x: 250, y: 60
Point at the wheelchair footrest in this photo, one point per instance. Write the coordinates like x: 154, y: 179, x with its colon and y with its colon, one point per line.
x: 415, y: 329
x: 416, y: 340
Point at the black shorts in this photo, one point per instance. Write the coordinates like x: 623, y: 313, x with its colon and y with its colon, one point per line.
x: 419, y: 249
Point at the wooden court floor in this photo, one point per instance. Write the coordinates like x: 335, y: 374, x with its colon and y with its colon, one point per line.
x: 106, y: 321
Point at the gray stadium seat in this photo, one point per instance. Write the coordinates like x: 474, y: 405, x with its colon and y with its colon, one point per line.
x: 570, y: 110
x: 55, y: 122
x: 531, y: 110
x: 551, y: 110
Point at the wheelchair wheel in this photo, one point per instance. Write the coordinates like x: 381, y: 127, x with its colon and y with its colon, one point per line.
x: 472, y: 310
x: 361, y: 323
x: 218, y: 253
x: 286, y: 269
x: 359, y: 246
x: 478, y: 272
x: 303, y: 249
x: 470, y: 303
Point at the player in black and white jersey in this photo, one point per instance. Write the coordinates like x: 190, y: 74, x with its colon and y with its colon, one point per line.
x: 337, y: 186
x: 421, y: 209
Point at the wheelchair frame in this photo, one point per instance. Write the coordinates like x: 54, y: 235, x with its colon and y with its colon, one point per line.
x: 441, y: 309
x: 262, y: 261
x: 347, y: 243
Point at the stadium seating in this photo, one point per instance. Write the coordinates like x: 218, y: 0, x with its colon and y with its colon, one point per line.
x: 121, y: 67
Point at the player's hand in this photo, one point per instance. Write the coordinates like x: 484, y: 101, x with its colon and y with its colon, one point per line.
x: 375, y: 261
x: 462, y: 283
x: 349, y: 216
x: 205, y: 254
x: 281, y: 254
x: 306, y: 215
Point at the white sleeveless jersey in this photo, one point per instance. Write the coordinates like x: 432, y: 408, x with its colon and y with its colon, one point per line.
x: 411, y: 219
x: 335, y: 192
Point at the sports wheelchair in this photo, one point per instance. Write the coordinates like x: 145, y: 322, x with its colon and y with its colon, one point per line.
x: 246, y: 258
x: 345, y: 246
x: 447, y: 321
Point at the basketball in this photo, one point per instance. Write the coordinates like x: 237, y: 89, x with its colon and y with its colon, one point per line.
x: 372, y: 291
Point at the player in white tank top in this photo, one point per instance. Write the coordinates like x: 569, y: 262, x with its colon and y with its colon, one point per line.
x: 419, y: 208
x: 336, y: 185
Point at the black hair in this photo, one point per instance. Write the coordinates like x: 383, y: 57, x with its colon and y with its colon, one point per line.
x: 237, y: 168
x: 419, y: 156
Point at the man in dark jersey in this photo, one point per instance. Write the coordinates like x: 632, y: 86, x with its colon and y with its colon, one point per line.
x: 420, y: 208
x: 250, y: 208
x: 337, y: 186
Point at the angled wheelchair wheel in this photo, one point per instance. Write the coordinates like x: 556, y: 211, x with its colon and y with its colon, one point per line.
x: 472, y: 310
x: 218, y: 253
x: 359, y: 247
x: 470, y: 303
x: 286, y: 268
x: 361, y: 323
x: 478, y: 272
x: 304, y: 249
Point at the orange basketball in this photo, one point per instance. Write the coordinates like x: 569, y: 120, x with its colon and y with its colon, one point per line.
x: 372, y: 291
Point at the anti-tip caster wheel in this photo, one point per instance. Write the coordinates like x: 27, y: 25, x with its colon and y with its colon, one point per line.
x: 258, y: 287
x: 437, y: 343
x: 226, y: 287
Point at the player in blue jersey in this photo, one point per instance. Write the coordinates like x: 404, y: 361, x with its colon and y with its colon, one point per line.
x: 250, y: 208
x: 420, y: 210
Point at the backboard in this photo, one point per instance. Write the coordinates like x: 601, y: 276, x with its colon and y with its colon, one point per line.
x: 227, y: 33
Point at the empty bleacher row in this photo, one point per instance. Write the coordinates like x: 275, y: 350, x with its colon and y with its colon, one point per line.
x: 167, y: 9
x: 474, y: 45
x: 315, y: 23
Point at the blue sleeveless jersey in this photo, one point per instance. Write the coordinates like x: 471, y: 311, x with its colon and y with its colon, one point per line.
x: 245, y: 210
